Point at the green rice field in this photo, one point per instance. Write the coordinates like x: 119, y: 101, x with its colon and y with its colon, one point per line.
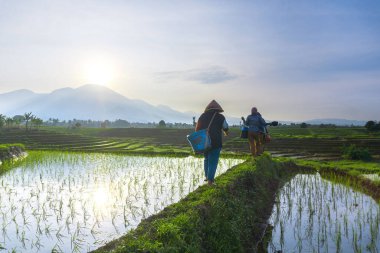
x: 80, y: 190
x: 76, y: 202
x: 315, y: 215
x: 308, y: 143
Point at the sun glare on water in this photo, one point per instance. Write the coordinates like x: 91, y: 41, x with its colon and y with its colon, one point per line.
x: 101, y: 197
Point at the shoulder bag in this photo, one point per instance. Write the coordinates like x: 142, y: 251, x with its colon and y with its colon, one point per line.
x: 200, y: 141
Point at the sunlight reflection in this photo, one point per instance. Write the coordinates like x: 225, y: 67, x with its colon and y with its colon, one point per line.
x: 101, y: 198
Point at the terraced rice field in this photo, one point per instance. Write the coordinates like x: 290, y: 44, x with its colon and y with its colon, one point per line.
x: 326, y: 148
x: 173, y: 141
x: 45, y: 140
x: 55, y: 194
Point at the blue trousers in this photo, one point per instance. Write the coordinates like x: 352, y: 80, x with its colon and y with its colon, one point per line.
x: 211, y: 162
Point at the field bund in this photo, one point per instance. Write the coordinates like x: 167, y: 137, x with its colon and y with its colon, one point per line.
x: 11, y: 152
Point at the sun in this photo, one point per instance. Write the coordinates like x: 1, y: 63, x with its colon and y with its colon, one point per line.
x: 98, y: 71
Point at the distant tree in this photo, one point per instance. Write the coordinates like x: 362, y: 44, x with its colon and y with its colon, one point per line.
x: 55, y: 122
x: 37, y: 122
x: 77, y: 125
x: 28, y: 116
x: 2, y: 120
x: 18, y: 119
x: 327, y: 125
x: 194, y: 123
x: 161, y: 124
x: 303, y: 125
x: 9, y: 122
x: 121, y: 123
x: 370, y: 125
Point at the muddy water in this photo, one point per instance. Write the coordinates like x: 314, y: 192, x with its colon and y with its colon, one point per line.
x: 315, y: 215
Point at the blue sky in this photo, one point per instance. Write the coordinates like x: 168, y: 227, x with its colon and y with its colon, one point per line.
x: 294, y: 60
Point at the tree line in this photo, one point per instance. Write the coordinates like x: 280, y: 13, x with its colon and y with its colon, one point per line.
x: 29, y: 121
x: 372, y: 126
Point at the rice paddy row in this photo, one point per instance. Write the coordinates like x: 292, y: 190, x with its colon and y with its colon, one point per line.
x: 47, y: 140
x: 173, y: 141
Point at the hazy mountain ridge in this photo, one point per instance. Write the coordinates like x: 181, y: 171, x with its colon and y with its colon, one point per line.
x: 86, y: 102
x: 101, y: 103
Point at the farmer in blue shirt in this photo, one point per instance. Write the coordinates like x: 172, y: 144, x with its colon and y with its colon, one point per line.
x: 256, y: 130
x: 218, y: 124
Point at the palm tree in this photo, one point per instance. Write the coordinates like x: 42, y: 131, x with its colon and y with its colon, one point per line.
x: 9, y: 121
x: 27, y: 116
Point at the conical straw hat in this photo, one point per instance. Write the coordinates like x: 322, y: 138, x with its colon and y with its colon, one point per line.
x: 213, y: 105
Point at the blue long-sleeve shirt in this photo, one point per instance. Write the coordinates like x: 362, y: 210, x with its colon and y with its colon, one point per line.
x: 255, y: 123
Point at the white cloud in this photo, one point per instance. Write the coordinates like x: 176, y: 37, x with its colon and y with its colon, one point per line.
x: 209, y: 75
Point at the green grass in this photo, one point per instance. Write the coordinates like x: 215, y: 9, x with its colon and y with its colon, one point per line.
x: 6, y: 150
x: 353, y: 152
x: 5, y: 147
x: 342, y: 165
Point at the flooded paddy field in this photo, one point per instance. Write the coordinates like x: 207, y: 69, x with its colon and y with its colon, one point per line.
x: 315, y: 215
x: 76, y: 202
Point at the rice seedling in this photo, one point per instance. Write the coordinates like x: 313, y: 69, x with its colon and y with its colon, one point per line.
x: 345, y: 221
x: 75, y: 202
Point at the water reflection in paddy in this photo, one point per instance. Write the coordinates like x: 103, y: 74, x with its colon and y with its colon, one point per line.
x: 66, y: 202
x: 314, y: 215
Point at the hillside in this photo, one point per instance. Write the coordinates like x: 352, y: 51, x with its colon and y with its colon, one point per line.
x: 87, y: 102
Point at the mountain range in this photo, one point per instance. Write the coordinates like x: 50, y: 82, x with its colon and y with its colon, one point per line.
x: 87, y: 102
x: 97, y: 102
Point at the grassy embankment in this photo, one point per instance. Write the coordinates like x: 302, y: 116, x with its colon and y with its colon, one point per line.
x: 5, y: 148
x: 7, y: 154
